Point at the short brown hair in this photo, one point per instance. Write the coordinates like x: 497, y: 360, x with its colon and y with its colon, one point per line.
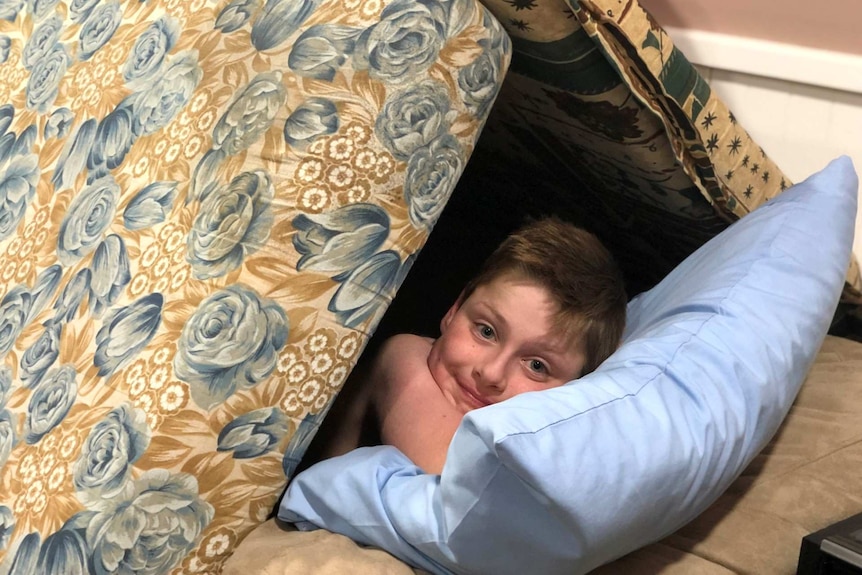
x: 580, y: 274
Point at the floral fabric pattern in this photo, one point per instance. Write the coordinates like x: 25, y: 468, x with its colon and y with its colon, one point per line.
x: 205, y: 207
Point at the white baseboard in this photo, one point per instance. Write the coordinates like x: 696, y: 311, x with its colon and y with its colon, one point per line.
x: 825, y: 68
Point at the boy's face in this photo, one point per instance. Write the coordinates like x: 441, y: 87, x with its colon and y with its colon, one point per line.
x: 501, y: 342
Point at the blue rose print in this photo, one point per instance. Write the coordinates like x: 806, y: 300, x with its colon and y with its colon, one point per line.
x: 235, y: 15
x: 7, y: 114
x: 26, y: 555
x: 149, y: 526
x: 41, y: 8
x: 322, y: 49
x: 336, y: 242
x: 87, y: 217
x: 113, y: 140
x: 19, y: 176
x: 14, y: 312
x: 8, y: 437
x: 313, y: 118
x: 279, y: 20
x: 24, y: 142
x: 156, y: 106
x: 126, y: 331
x: 233, y: 222
x: 74, y: 156
x: 479, y: 82
x: 405, y: 42
x: 64, y: 551
x: 98, y: 29
x: 50, y: 402
x: 250, y: 114
x: 368, y: 291
x: 44, y: 82
x: 150, y: 49
x: 9, y: 9
x: 107, y: 455
x: 40, y: 356
x: 5, y: 384
x: 254, y: 433
x: 110, y: 273
x: 72, y: 296
x: 150, y: 206
x: 80, y: 9
x: 59, y: 123
x: 204, y: 177
x: 432, y: 173
x: 231, y: 341
x: 5, y: 47
x: 7, y: 143
x: 7, y: 520
x: 413, y: 118
x: 299, y: 443
x: 42, y: 41
x: 43, y: 290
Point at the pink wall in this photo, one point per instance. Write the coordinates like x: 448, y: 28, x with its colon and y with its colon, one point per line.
x: 824, y: 24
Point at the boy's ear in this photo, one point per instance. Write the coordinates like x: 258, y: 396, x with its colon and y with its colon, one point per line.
x: 447, y: 319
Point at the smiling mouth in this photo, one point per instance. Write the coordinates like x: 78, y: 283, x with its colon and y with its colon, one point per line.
x: 472, y: 397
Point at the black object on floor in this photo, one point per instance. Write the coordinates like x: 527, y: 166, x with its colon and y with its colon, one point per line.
x: 834, y: 550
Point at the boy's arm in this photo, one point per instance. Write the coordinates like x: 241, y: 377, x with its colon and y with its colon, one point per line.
x: 412, y: 412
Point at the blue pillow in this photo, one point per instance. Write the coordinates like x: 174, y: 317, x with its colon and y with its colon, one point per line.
x: 564, y: 480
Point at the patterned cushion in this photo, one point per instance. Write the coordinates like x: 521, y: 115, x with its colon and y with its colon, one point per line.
x: 204, y: 209
x: 612, y: 123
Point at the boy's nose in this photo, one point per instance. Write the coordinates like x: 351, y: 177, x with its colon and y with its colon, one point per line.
x: 491, y: 374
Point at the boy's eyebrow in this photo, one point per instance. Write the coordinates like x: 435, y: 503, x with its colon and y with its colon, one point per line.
x: 497, y: 317
x: 555, y: 346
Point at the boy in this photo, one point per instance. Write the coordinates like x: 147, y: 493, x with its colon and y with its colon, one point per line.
x: 547, y: 307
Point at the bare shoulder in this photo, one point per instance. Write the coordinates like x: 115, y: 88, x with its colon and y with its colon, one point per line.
x: 406, y: 343
x: 414, y: 415
x: 400, y: 357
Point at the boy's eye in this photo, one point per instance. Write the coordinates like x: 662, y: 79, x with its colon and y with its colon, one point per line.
x: 538, y: 366
x: 486, y: 331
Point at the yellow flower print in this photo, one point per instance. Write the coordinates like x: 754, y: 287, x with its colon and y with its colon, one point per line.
x: 291, y: 404
x: 340, y: 176
x: 359, y: 133
x: 341, y: 148
x: 320, y: 402
x: 310, y: 389
x: 19, y: 263
x: 359, y: 192
x: 97, y: 86
x: 337, y: 170
x: 217, y: 545
x: 320, y: 340
x: 153, y: 388
x: 371, y: 8
x: 182, y: 9
x: 173, y: 398
x: 384, y: 167
x: 348, y: 347
x: 42, y: 492
x: 148, y: 402
x: 336, y: 377
x: 313, y: 199
x: 298, y: 372
x: 162, y: 265
x: 177, y: 147
x: 13, y: 78
x: 310, y: 170
x: 288, y: 357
